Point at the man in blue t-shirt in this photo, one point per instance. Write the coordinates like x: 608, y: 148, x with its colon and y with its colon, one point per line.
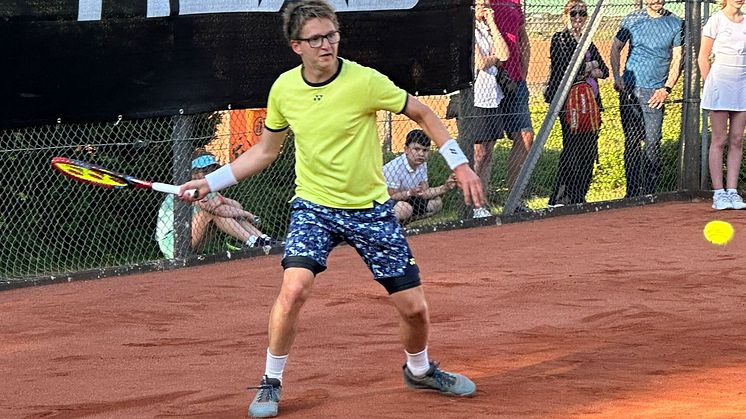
x: 652, y: 68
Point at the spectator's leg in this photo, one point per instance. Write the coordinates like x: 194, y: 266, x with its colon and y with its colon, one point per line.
x: 718, y: 138
x: 634, y: 133
x: 434, y: 206
x: 483, y: 163
x: 561, y: 183
x: 586, y: 162
x: 403, y: 211
x: 517, y: 117
x: 200, y: 223
x: 735, y: 148
x: 653, y: 124
x: 467, y: 123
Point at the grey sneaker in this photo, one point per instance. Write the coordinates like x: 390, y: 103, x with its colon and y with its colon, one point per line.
x: 267, y: 399
x: 736, y: 201
x: 448, y: 383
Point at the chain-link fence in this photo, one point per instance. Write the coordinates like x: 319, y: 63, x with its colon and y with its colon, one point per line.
x: 52, y: 227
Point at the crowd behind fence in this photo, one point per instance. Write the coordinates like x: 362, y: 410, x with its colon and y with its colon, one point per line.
x: 52, y: 227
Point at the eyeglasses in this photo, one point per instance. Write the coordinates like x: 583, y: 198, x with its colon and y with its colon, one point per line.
x: 576, y: 13
x: 318, y: 40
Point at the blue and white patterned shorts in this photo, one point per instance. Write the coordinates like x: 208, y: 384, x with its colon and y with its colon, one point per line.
x: 374, y: 232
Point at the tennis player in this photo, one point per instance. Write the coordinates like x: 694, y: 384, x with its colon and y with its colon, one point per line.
x: 330, y: 103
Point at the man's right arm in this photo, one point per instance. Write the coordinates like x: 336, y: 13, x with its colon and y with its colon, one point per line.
x: 251, y: 162
x: 260, y: 156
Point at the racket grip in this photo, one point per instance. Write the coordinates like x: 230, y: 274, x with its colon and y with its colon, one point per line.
x: 172, y: 189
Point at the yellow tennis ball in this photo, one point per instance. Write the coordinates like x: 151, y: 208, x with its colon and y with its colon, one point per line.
x: 719, y: 232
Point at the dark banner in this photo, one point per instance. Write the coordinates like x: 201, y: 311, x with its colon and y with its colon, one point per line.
x: 94, y: 60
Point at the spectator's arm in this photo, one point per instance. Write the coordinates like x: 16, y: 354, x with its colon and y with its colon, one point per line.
x: 525, y: 48
x: 615, y: 56
x: 502, y: 53
x: 674, y: 71
x: 558, y: 62
x: 400, y: 194
x: 705, y: 50
x: 596, y: 56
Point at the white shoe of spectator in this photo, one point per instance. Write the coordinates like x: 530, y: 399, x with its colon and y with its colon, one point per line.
x: 722, y: 201
x: 481, y: 213
x: 736, y: 201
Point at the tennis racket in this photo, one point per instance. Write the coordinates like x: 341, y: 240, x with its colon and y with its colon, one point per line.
x: 96, y: 175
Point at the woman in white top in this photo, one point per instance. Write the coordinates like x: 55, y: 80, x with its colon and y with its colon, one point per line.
x: 480, y: 124
x: 724, y: 96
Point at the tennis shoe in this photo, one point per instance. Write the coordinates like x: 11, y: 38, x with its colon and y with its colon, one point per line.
x: 722, y: 201
x: 266, y: 402
x: 481, y: 213
x: 736, y: 201
x: 447, y: 383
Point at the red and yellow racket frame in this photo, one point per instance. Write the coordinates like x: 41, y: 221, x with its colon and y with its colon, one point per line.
x: 96, y: 175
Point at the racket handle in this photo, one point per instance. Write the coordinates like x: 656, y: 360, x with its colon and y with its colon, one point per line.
x: 172, y: 189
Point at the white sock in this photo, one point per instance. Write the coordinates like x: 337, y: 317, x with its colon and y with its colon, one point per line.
x: 419, y: 363
x: 251, y: 240
x: 733, y: 191
x: 719, y: 191
x: 275, y: 365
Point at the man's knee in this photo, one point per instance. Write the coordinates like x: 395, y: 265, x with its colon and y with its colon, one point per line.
x: 403, y: 210
x: 296, y: 286
x: 412, y: 305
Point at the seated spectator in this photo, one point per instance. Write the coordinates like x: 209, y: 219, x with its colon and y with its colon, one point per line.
x: 214, y: 211
x: 406, y: 178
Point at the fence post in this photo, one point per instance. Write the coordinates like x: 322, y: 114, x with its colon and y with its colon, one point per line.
x: 387, y: 132
x: 181, y: 152
x: 690, y: 163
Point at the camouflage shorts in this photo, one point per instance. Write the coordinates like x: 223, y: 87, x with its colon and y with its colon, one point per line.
x: 374, y: 232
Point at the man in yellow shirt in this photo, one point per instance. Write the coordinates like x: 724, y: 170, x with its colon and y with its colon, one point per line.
x: 341, y: 195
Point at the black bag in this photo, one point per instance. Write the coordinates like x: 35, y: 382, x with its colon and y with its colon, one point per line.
x: 454, y: 104
x: 507, y: 85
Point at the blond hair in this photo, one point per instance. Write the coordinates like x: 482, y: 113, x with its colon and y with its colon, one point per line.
x: 296, y: 15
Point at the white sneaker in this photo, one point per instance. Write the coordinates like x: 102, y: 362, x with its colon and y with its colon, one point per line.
x: 481, y: 213
x: 736, y: 201
x: 722, y: 201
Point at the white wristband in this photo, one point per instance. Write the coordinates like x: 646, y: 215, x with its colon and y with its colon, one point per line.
x: 221, y: 178
x: 452, y: 153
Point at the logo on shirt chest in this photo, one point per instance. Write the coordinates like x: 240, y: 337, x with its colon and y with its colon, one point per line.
x: 317, y: 98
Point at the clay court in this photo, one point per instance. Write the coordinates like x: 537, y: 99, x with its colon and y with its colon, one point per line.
x: 626, y: 312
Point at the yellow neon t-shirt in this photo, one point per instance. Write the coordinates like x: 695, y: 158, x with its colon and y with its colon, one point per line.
x: 338, y: 161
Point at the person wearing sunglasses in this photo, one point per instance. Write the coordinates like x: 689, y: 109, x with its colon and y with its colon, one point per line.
x: 653, y: 66
x: 341, y: 195
x: 579, y: 149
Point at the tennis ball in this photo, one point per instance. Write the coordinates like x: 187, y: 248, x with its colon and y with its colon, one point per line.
x: 718, y: 232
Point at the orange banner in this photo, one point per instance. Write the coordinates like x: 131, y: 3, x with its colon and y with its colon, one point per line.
x: 245, y: 129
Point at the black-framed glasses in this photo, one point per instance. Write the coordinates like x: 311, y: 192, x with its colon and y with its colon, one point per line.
x: 318, y: 40
x: 576, y: 13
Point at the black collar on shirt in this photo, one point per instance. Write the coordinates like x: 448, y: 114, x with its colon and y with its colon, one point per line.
x: 325, y: 82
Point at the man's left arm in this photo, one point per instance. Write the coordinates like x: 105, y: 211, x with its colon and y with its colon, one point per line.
x: 469, y: 182
x: 674, y: 70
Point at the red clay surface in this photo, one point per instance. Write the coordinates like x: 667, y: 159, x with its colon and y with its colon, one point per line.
x: 621, y: 313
